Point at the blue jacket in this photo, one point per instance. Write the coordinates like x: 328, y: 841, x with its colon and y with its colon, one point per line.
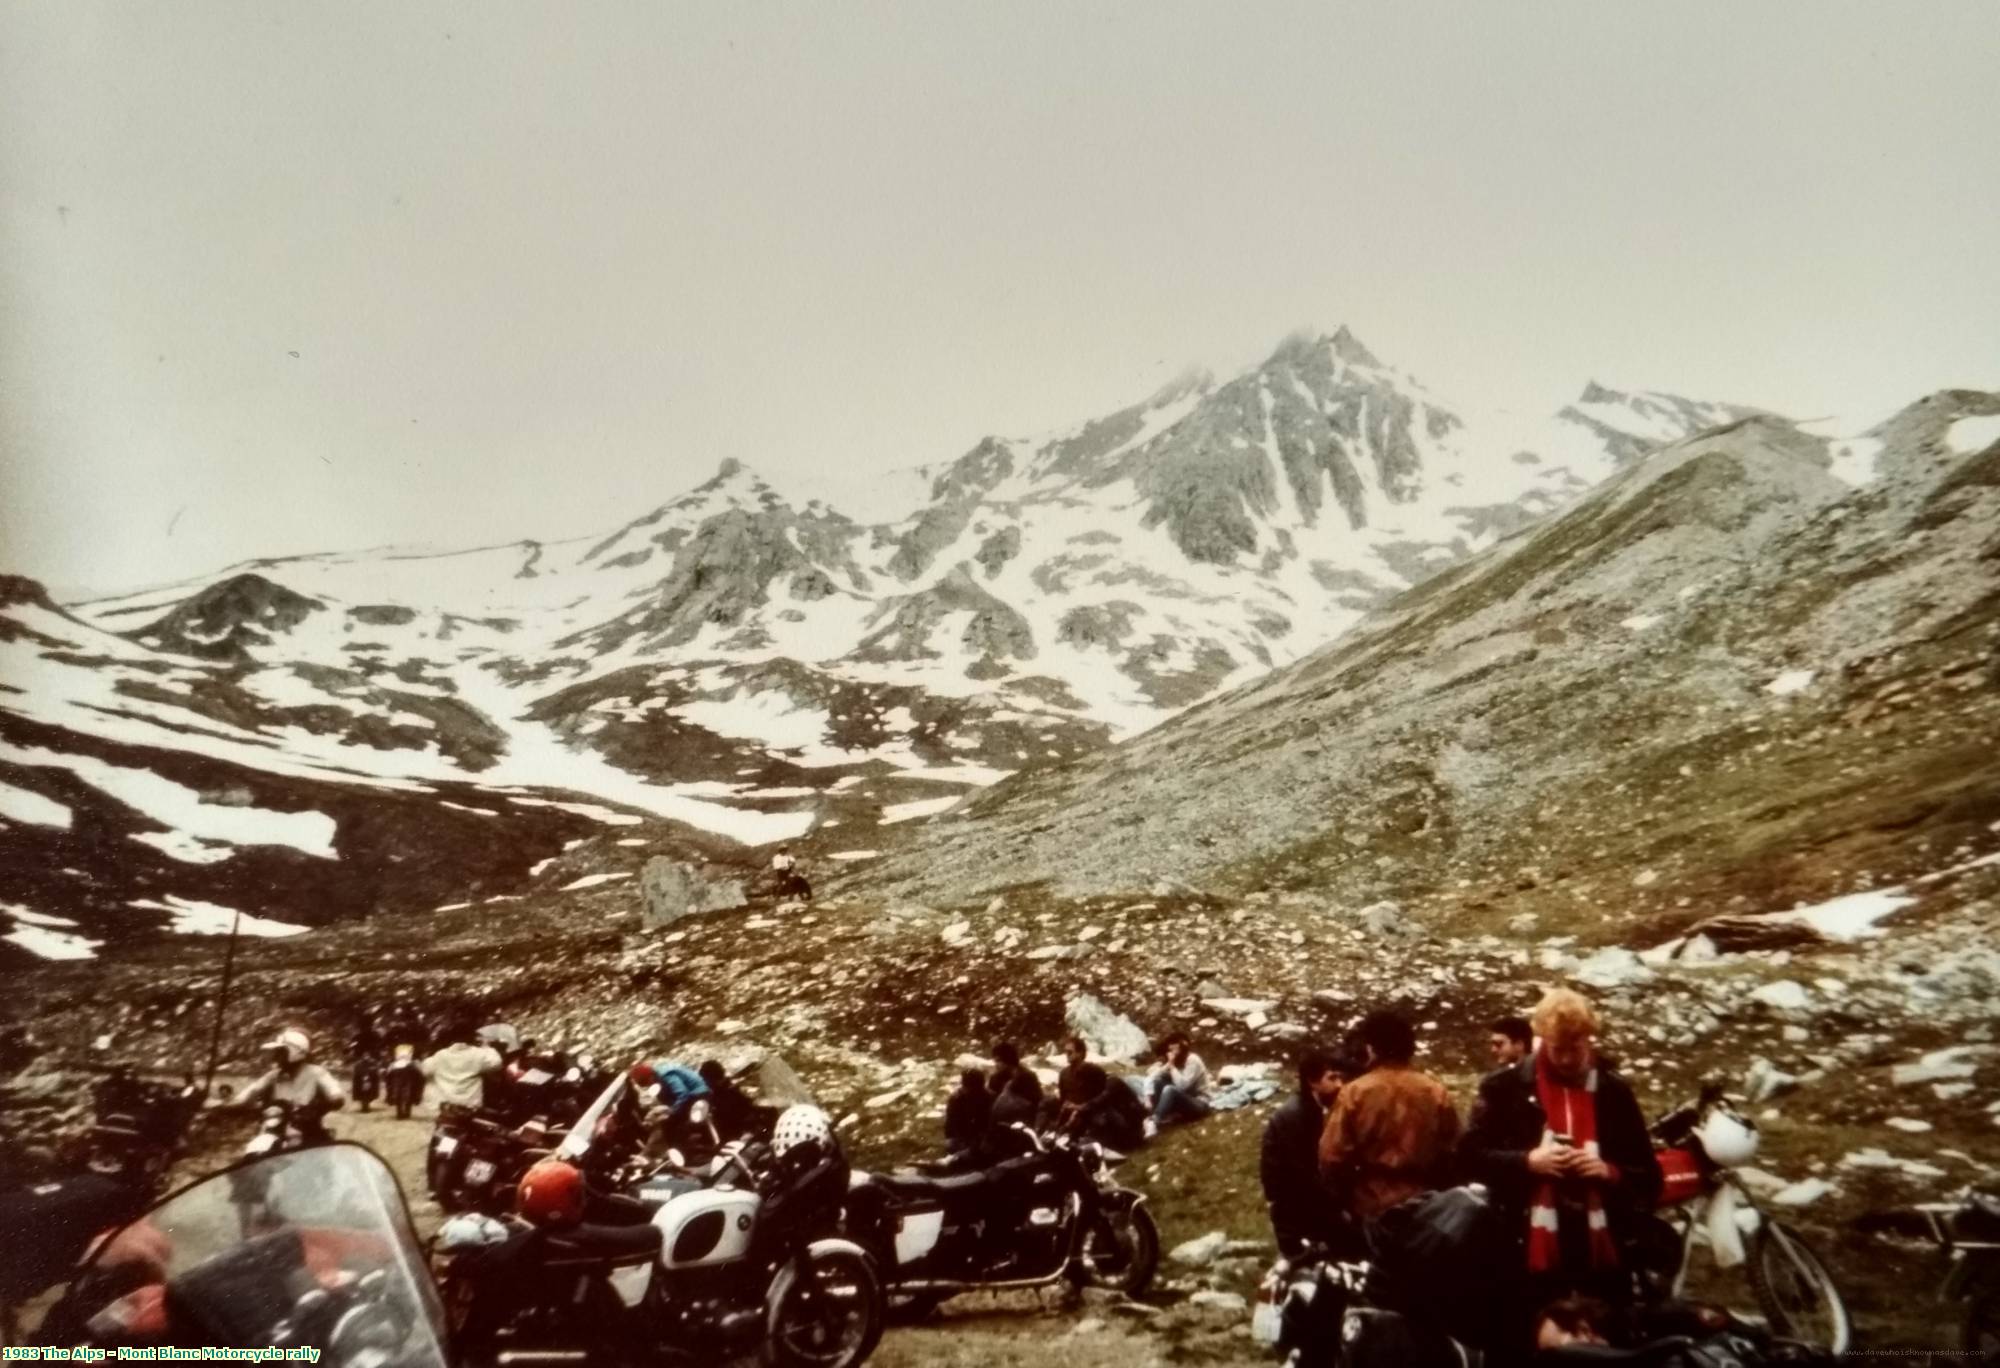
x: 678, y: 1084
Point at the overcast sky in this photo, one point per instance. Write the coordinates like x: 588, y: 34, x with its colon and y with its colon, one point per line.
x: 280, y: 278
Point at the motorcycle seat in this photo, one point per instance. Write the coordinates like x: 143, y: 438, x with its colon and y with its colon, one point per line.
x: 591, y: 1241
x: 1661, y: 1351
x: 917, y: 1187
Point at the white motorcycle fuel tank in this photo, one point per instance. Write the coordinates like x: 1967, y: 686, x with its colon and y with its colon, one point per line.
x: 706, y: 1226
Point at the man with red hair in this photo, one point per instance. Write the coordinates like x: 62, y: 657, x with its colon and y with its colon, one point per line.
x: 1560, y: 1142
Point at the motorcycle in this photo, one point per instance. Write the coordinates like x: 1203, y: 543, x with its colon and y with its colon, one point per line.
x: 135, y: 1133
x: 367, y: 1084
x: 1053, y: 1213
x: 403, y: 1082
x: 282, y: 1127
x: 475, y: 1161
x: 709, y: 1265
x: 1702, y: 1202
x: 326, y: 1261
x: 1967, y: 1233
x: 1317, y: 1312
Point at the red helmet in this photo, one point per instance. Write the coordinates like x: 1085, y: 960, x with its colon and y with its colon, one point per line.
x: 642, y: 1076
x: 551, y: 1193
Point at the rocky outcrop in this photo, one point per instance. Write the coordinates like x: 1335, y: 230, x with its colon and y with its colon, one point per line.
x: 225, y: 620
x: 673, y: 890
x: 994, y: 631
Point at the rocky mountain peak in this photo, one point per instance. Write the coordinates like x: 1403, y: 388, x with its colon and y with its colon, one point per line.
x: 225, y: 619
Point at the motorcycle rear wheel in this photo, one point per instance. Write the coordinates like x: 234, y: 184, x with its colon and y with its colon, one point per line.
x: 1795, y: 1292
x: 825, y: 1310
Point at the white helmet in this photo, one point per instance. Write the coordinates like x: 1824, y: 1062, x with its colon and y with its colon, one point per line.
x: 293, y: 1044
x: 799, y: 1125
x: 1729, y: 1140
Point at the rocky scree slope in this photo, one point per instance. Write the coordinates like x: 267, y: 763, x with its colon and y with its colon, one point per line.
x: 1722, y: 679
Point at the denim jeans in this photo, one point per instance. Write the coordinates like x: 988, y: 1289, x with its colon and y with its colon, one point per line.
x: 1171, y: 1105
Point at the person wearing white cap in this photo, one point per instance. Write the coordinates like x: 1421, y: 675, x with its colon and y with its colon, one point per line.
x: 292, y: 1079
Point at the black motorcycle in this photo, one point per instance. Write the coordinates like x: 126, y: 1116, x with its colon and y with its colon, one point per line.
x: 1967, y: 1233
x: 367, y: 1085
x: 1052, y: 1213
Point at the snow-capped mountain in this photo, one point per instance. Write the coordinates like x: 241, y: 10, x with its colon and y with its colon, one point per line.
x: 737, y: 665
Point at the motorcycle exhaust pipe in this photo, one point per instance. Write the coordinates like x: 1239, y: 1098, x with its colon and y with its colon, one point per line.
x: 541, y: 1358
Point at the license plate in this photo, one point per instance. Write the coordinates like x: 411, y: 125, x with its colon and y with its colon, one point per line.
x: 477, y: 1172
x: 446, y: 1144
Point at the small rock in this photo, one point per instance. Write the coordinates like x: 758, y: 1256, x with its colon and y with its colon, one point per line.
x: 1907, y: 1125
x: 1200, y: 1251
x: 1232, y: 1303
x: 1785, y: 995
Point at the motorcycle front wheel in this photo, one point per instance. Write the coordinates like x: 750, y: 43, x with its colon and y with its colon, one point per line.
x: 1121, y: 1250
x: 1795, y: 1292
x: 824, y: 1310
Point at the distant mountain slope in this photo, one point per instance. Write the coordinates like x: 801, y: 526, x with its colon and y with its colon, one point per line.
x: 1723, y: 673
x: 738, y: 666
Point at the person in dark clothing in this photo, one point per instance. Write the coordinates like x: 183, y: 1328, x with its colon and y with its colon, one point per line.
x: 1561, y: 1144
x: 1304, y: 1210
x: 1509, y: 1039
x: 1007, y: 1067
x: 729, y: 1106
x: 968, y: 1113
x: 1392, y: 1132
x: 1113, y: 1115
x: 1017, y: 1105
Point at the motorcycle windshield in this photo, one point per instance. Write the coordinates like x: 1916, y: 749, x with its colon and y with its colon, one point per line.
x: 584, y: 1129
x: 310, y: 1249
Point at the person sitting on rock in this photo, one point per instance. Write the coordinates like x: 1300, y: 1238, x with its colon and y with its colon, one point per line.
x: 968, y: 1114
x: 1561, y: 1143
x: 1007, y: 1067
x: 1179, y: 1083
x: 1392, y: 1132
x: 1508, y: 1040
x: 1305, y: 1212
x: 1017, y: 1105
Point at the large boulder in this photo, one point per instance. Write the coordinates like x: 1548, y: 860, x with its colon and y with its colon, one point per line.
x: 674, y: 890
x: 1108, y: 1034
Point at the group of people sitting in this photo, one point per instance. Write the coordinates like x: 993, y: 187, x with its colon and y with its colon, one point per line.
x: 1555, y: 1136
x: 1089, y: 1102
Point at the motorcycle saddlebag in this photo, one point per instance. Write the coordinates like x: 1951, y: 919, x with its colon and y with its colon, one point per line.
x: 1681, y: 1177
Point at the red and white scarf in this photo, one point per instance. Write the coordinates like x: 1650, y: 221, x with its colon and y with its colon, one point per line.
x: 1567, y: 1111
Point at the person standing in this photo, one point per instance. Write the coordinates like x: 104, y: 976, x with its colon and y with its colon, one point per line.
x: 1560, y: 1141
x: 458, y: 1072
x: 1304, y: 1210
x: 1392, y: 1133
x: 1179, y: 1083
